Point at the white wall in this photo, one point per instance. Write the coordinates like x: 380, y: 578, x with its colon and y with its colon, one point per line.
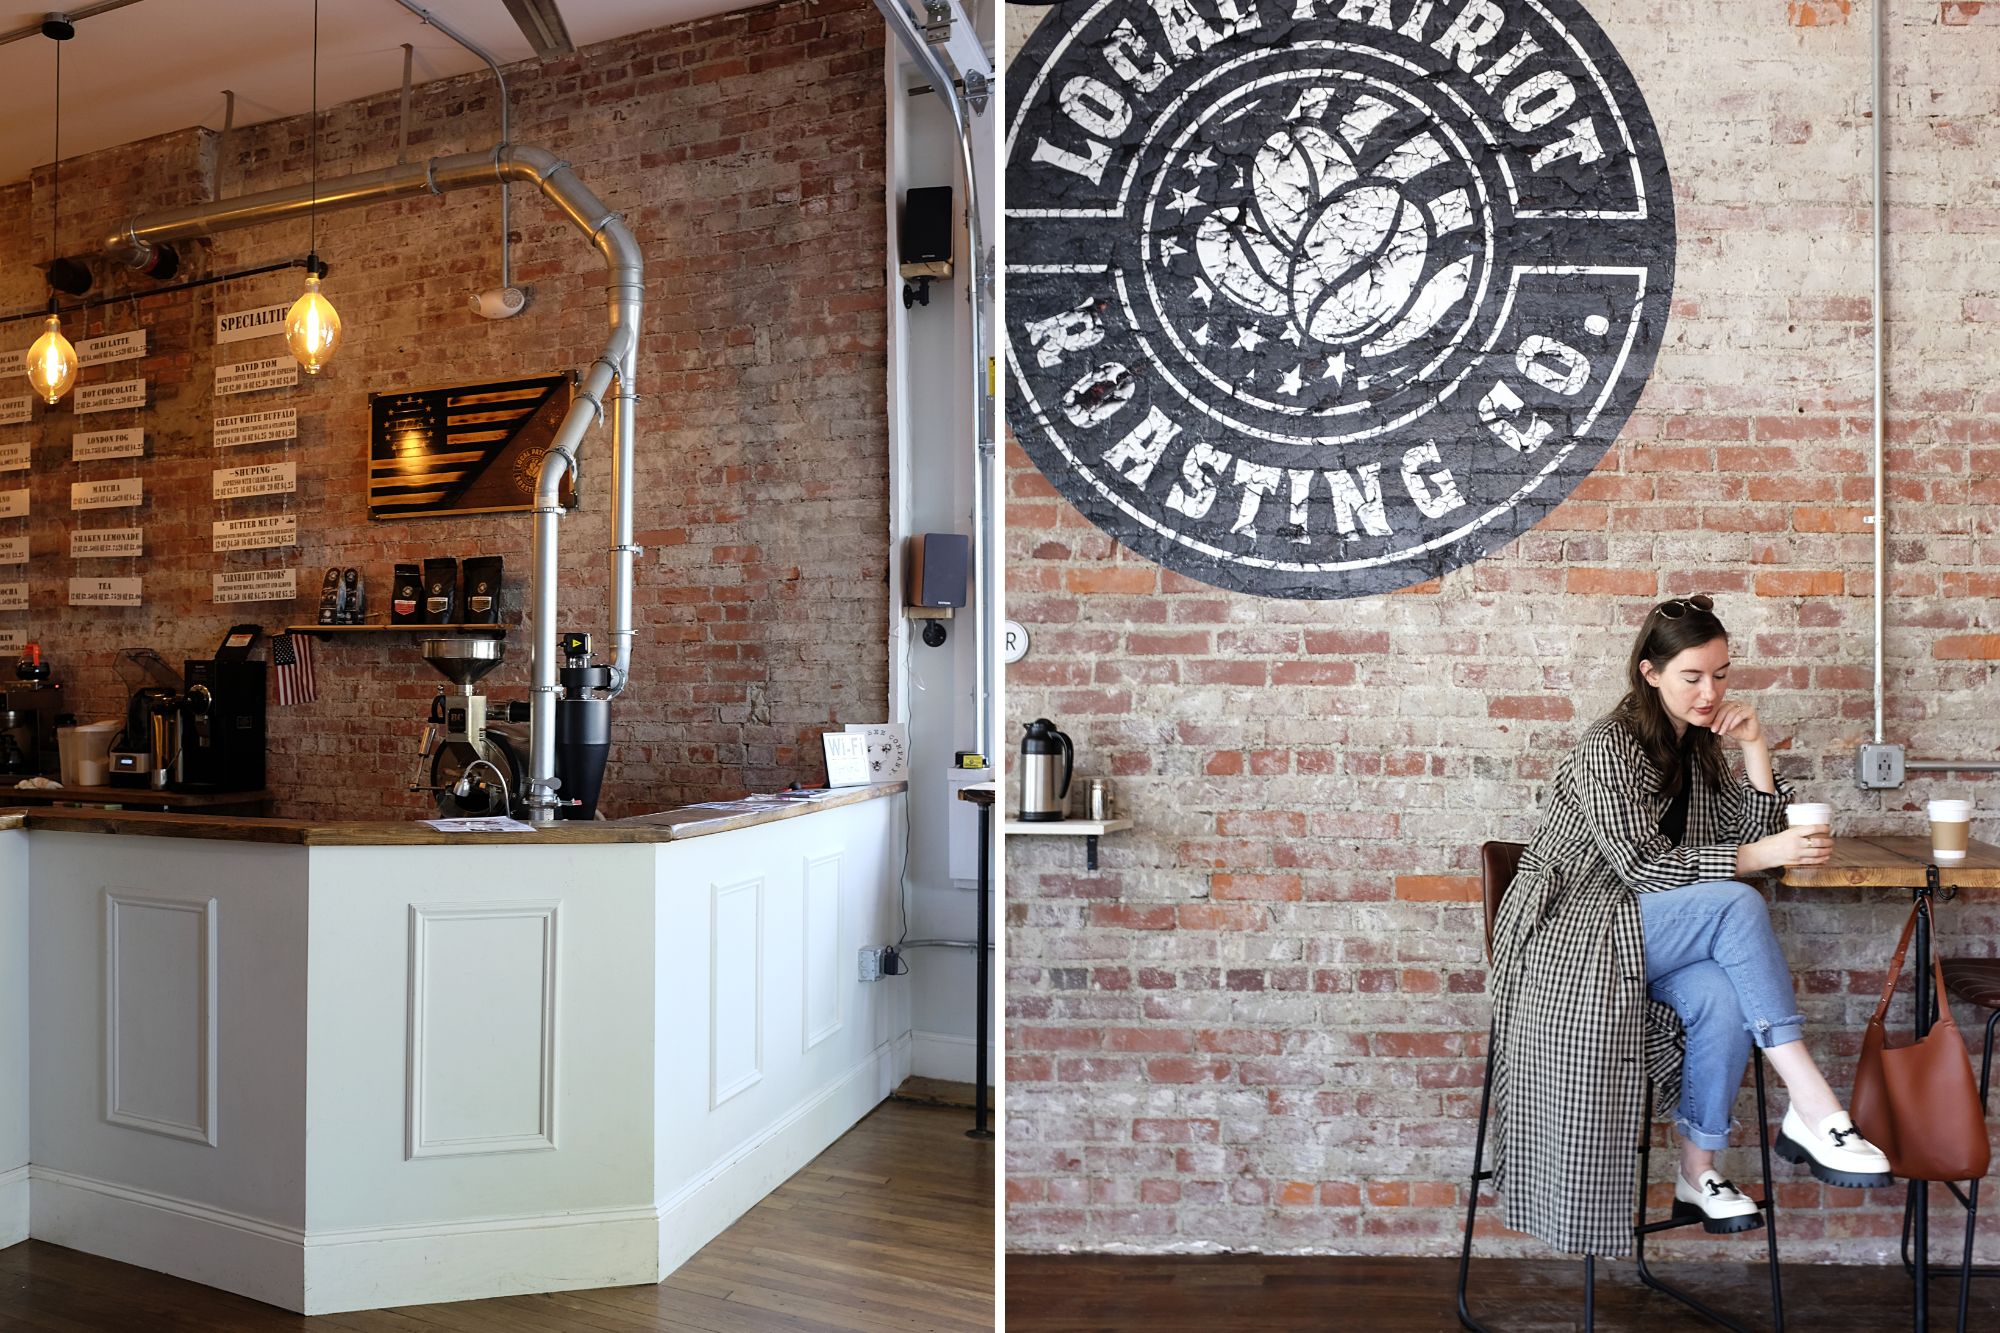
x: 13, y: 1036
x: 930, y: 380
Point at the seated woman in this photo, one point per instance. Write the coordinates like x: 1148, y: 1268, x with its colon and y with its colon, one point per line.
x: 1629, y: 902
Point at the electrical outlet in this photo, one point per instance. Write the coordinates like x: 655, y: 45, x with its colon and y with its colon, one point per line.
x: 1878, y: 766
x: 871, y: 964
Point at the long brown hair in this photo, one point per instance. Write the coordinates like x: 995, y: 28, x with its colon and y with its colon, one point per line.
x: 1661, y: 639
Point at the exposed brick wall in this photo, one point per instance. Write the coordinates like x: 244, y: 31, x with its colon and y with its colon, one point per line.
x: 746, y: 152
x: 1261, y: 1026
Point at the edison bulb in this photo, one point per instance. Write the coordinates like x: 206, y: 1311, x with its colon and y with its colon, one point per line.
x: 312, y: 328
x: 52, y: 363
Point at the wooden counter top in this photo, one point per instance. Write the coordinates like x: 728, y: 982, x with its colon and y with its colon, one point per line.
x: 666, y: 826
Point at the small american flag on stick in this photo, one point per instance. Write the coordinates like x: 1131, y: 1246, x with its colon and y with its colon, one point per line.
x: 292, y: 663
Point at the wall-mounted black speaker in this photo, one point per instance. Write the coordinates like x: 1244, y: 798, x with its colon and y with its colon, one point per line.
x: 939, y: 564
x: 926, y: 244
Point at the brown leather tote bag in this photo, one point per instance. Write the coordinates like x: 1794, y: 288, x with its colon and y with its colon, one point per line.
x: 1920, y: 1103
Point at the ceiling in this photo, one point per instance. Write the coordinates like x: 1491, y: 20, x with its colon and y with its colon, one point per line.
x: 152, y: 66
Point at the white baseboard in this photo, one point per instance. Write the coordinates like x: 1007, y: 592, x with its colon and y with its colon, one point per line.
x: 374, y: 1267
x: 948, y: 1056
x: 702, y: 1209
x: 13, y: 1206
x: 214, y: 1247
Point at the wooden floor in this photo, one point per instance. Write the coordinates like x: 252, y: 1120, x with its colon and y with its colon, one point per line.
x: 1186, y: 1294
x: 890, y: 1230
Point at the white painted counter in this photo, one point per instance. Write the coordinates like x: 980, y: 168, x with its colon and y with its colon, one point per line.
x: 339, y: 1077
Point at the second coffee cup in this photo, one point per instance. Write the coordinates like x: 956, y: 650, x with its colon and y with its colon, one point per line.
x: 1951, y: 829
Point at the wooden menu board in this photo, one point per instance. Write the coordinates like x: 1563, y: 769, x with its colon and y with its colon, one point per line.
x: 464, y: 449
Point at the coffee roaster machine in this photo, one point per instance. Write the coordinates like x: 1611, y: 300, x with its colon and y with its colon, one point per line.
x: 204, y: 732
x: 475, y: 749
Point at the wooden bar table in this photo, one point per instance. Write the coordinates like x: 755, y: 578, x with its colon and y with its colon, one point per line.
x: 1905, y: 863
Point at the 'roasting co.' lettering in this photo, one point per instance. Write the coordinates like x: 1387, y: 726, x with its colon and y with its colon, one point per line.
x: 1324, y: 298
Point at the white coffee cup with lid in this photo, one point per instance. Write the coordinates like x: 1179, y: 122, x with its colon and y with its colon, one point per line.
x: 1951, y: 830
x: 1808, y: 813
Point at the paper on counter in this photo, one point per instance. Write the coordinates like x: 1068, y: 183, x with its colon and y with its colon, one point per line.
x: 488, y: 824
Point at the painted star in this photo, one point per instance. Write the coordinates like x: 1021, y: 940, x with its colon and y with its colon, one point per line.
x: 1201, y: 161
x: 1293, y: 381
x: 1336, y: 368
x: 1247, y: 339
x: 1202, y: 292
x: 1186, y: 201
x: 1200, y: 336
x: 1291, y: 335
x: 1170, y: 249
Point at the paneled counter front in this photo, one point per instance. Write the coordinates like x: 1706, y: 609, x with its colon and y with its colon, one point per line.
x: 346, y: 1066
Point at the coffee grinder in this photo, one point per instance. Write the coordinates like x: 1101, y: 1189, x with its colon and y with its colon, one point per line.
x: 471, y: 758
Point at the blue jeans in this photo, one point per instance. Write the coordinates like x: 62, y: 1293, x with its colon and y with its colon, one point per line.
x: 1711, y: 954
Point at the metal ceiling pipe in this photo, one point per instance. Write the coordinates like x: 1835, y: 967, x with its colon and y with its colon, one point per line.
x: 136, y: 242
x: 925, y: 56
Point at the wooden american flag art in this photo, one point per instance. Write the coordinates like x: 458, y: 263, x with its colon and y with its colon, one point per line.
x: 463, y: 449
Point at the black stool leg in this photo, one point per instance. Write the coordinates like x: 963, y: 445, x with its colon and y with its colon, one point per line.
x: 1589, y: 1292
x: 1972, y: 1190
x: 1770, y: 1203
x: 1465, y: 1318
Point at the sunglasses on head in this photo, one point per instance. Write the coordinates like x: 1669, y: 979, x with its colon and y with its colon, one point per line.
x: 1675, y: 608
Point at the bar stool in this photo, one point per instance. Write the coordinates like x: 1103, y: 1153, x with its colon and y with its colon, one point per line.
x: 1977, y: 982
x: 1498, y: 862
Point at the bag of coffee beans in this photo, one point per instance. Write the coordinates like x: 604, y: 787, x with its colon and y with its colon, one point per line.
x: 330, y: 604
x: 407, y: 599
x: 441, y: 591
x: 482, y: 590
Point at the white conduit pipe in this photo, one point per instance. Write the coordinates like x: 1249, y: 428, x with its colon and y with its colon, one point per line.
x: 134, y: 244
x: 1875, y: 119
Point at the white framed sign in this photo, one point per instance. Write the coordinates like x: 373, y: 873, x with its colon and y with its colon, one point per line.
x: 127, y: 346
x: 272, y: 372
x: 846, y: 758
x: 13, y: 550
x: 888, y: 749
x: 265, y: 321
x: 17, y: 411
x: 107, y: 543
x: 110, y: 397
x: 87, y: 445
x: 280, y: 423
x: 14, y: 457
x: 14, y: 504
x: 121, y: 493
x: 105, y: 592
x: 255, y: 534
x: 257, y: 585
x: 13, y: 596
x: 235, y: 483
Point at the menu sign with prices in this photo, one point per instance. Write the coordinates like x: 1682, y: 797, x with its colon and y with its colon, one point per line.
x: 110, y: 397
x: 236, y: 483
x: 14, y: 457
x: 256, y: 534
x: 124, y: 493
x: 17, y: 411
x: 91, y: 444
x: 257, y: 585
x: 13, y: 596
x: 12, y: 641
x: 280, y: 423
x: 105, y: 592
x: 127, y: 346
x: 273, y: 372
x: 13, y: 550
x: 107, y: 543
x: 14, y: 504
x: 242, y: 325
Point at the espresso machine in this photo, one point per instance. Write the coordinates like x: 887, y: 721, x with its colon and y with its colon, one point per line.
x: 475, y: 751
x: 221, y: 744
x: 148, y: 753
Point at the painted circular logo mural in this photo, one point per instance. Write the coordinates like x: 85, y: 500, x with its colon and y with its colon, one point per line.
x: 1323, y: 298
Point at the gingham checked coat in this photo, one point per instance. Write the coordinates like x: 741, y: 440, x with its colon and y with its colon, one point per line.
x: 1575, y: 1034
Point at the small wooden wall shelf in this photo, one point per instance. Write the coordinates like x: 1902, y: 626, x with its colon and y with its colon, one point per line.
x: 420, y: 631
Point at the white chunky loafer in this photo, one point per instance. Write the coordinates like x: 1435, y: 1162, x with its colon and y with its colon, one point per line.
x: 1835, y: 1152
x: 1722, y: 1208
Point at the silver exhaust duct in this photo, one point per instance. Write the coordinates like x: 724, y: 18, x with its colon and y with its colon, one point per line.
x: 139, y: 240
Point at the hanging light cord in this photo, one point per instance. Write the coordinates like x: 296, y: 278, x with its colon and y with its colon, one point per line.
x: 312, y: 210
x: 55, y: 204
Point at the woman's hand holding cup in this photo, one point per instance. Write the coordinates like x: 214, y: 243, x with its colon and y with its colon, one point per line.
x: 1809, y: 835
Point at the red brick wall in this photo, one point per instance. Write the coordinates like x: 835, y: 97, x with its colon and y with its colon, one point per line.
x: 746, y: 152
x: 1261, y: 1026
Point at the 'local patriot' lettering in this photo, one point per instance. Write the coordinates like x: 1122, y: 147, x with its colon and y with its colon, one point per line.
x: 1323, y: 298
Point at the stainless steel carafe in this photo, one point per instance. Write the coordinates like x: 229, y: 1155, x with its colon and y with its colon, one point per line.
x: 1046, y: 759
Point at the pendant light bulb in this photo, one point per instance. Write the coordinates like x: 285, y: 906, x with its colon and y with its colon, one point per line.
x: 312, y: 329
x: 52, y: 363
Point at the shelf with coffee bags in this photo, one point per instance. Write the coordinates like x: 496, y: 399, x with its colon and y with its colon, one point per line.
x: 1090, y: 830
x: 420, y: 631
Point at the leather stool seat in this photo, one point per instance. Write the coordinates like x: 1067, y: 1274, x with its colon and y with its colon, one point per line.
x: 1974, y: 980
